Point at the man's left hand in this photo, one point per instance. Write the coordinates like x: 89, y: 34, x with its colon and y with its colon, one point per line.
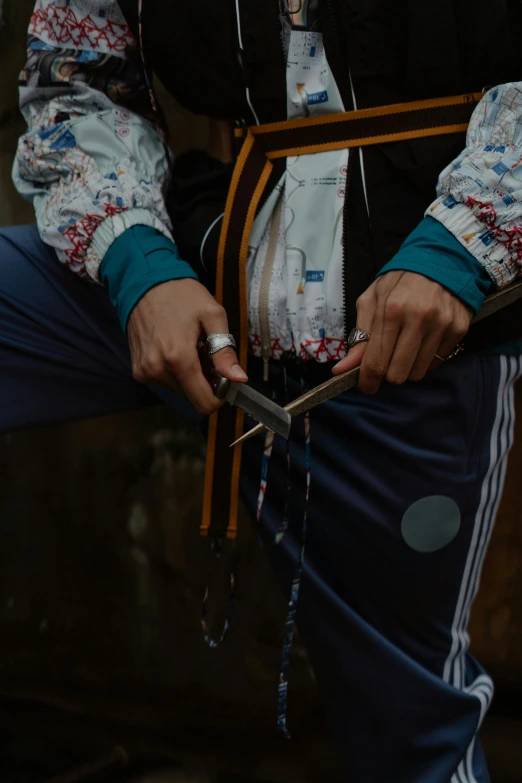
x: 410, y: 320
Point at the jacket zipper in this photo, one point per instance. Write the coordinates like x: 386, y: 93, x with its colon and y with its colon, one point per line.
x: 280, y: 30
x: 352, y: 155
x: 264, y: 289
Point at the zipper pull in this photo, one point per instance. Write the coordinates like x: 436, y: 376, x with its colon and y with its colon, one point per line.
x: 240, y: 134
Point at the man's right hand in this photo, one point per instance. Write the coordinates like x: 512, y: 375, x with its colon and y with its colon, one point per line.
x: 164, y: 330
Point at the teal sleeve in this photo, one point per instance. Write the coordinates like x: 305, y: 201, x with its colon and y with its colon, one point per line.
x: 138, y: 260
x: 431, y: 250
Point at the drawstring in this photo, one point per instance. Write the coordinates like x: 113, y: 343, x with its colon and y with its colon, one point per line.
x: 282, y: 717
x: 269, y: 445
x: 148, y: 81
x: 282, y: 720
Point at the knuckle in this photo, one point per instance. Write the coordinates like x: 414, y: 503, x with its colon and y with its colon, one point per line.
x: 446, y: 320
x: 364, y: 300
x: 382, y: 284
x: 175, y: 360
x: 456, y: 335
x: 215, y: 310
x: 394, y: 309
x: 448, y: 325
x: 462, y: 328
x: 456, y: 331
x: 428, y: 313
x: 150, y: 368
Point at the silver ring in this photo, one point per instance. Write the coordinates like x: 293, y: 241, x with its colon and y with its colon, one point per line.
x: 357, y: 336
x: 216, y: 342
x: 459, y: 348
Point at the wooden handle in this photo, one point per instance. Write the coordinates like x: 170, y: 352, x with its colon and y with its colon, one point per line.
x: 499, y: 300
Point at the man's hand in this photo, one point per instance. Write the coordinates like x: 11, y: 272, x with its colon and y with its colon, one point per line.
x: 409, y: 319
x: 164, y: 330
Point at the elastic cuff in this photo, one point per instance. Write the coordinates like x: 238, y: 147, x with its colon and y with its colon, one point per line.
x: 112, y: 228
x: 476, y: 238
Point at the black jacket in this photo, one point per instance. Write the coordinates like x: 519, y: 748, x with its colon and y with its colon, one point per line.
x: 395, y: 50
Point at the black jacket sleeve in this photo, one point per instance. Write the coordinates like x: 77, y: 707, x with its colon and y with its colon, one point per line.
x: 196, y: 204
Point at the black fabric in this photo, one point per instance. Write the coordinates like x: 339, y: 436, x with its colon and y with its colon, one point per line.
x: 496, y: 330
x: 193, y: 47
x: 395, y: 51
x: 196, y: 199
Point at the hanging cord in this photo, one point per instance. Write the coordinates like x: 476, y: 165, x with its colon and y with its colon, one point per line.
x: 282, y: 720
x: 290, y: 623
x: 285, y: 520
x: 242, y: 62
x: 158, y: 113
x: 217, y: 552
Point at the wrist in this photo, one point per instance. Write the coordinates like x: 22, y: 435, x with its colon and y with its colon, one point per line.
x: 139, y: 260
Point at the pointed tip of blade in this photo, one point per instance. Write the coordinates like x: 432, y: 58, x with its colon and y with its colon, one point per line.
x: 248, y: 435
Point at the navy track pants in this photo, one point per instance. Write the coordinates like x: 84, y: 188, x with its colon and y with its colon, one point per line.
x: 404, y: 491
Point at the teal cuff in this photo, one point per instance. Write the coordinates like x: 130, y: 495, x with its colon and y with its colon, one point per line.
x: 431, y: 250
x: 138, y: 260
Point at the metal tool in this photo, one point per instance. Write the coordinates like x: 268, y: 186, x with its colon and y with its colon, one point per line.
x: 270, y: 415
x: 349, y: 380
x: 313, y: 398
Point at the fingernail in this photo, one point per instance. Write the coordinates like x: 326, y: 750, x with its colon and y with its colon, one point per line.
x: 239, y: 373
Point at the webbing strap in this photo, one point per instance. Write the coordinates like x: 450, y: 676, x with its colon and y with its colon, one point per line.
x: 366, y: 127
x: 261, y: 145
x: 251, y: 174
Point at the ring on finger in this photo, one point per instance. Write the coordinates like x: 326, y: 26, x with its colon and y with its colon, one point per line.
x: 459, y: 348
x: 216, y: 342
x: 357, y: 336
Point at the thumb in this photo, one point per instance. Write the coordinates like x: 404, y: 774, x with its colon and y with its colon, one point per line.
x: 351, y: 360
x: 226, y: 363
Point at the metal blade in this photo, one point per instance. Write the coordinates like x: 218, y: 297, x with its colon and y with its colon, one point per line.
x: 326, y: 391
x: 271, y: 415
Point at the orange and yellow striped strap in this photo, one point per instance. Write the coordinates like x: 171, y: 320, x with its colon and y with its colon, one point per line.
x: 261, y: 145
x: 251, y: 174
x: 366, y: 127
